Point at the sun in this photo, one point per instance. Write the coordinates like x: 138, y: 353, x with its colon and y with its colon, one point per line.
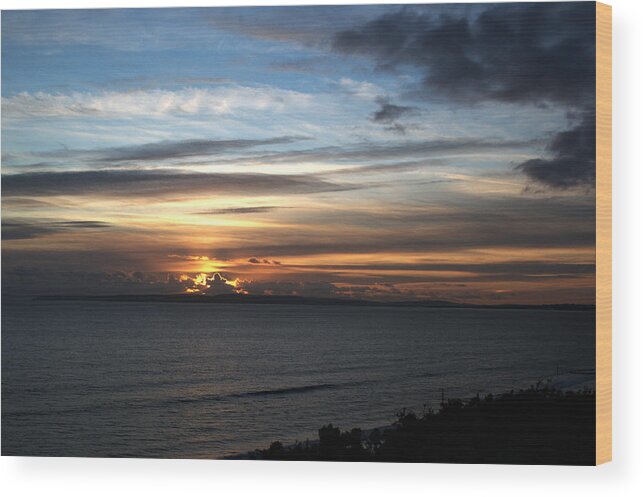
x: 208, y: 283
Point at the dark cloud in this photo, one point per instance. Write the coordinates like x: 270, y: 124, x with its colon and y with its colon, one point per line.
x: 518, y: 53
x: 186, y: 148
x: 524, y: 268
x: 527, y: 237
x: 255, y: 260
x: 21, y: 230
x: 26, y: 203
x: 388, y: 113
x: 529, y: 53
x: 155, y: 183
x: 36, y: 280
x: 36, y: 166
x: 168, y: 149
x: 463, y: 223
x: 531, y: 272
x: 572, y: 158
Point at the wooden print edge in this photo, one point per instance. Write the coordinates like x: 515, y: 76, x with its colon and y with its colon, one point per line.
x: 603, y: 233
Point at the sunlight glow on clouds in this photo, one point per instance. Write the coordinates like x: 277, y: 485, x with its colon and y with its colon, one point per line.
x: 351, y: 152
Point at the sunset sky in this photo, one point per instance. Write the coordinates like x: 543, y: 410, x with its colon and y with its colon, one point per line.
x: 374, y: 152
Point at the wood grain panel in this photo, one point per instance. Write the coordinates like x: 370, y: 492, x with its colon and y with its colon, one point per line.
x: 603, y: 233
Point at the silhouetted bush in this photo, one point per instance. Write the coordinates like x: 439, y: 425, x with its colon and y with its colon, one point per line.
x: 533, y: 426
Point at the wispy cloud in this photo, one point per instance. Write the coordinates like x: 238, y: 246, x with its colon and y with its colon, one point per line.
x: 26, y: 229
x: 233, y: 151
x: 260, y: 209
x: 167, y: 149
x: 462, y: 223
x: 222, y: 100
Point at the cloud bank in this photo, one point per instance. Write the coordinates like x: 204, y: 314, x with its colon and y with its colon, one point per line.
x: 155, y: 183
x: 527, y: 53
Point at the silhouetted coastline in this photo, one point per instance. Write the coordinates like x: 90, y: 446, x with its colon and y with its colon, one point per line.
x: 298, y: 300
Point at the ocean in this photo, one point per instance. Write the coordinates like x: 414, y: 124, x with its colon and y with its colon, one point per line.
x: 177, y: 380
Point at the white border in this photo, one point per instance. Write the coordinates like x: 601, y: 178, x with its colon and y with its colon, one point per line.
x: 104, y: 477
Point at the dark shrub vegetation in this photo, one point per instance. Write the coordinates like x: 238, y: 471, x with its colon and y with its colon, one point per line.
x: 534, y: 426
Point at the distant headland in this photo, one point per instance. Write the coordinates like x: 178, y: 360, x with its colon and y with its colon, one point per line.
x: 299, y: 300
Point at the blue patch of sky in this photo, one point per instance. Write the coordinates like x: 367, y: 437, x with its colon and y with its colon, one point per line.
x: 66, y: 52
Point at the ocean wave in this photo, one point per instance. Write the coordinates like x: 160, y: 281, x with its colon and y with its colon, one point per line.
x: 292, y: 390
x: 268, y: 392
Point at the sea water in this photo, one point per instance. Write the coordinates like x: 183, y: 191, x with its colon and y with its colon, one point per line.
x: 181, y: 380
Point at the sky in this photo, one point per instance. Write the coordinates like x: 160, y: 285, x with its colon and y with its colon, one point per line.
x: 388, y: 152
